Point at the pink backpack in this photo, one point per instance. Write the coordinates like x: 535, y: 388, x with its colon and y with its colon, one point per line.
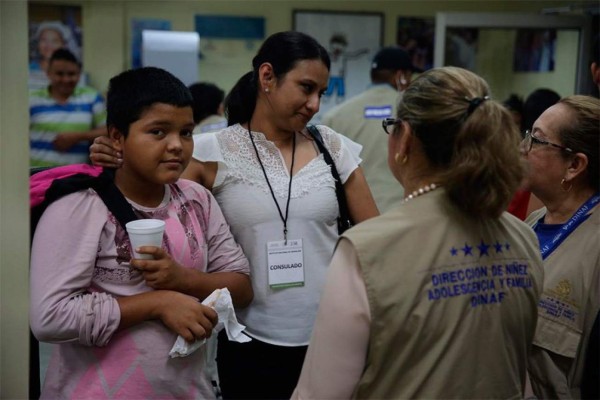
x: 49, y: 184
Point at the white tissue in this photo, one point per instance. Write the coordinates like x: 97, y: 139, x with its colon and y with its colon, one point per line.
x: 220, y: 300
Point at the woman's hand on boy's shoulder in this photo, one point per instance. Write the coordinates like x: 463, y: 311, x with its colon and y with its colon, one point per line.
x: 103, y: 154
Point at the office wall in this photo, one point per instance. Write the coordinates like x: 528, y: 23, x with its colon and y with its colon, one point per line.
x: 14, y: 204
x: 107, y: 33
x: 498, y: 71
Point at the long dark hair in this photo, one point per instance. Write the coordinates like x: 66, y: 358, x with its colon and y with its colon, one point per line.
x: 282, y: 50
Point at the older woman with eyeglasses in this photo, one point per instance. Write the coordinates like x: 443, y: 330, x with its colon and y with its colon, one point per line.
x: 562, y: 151
x: 436, y: 298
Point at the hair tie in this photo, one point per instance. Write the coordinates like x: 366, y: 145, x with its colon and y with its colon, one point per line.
x: 474, y: 103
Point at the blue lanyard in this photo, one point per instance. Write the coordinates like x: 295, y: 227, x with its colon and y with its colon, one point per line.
x: 550, y: 245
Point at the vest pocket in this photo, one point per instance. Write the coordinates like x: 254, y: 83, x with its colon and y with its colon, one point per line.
x: 557, y: 337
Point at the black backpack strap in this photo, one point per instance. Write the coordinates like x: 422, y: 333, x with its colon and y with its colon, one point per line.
x: 103, y: 185
x: 113, y: 198
x: 344, y: 221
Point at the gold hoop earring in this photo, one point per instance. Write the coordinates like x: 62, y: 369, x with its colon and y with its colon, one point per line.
x: 396, y: 157
x: 563, y: 188
x: 405, y: 159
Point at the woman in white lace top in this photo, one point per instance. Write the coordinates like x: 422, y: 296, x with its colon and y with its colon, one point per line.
x: 278, y: 195
x: 268, y: 111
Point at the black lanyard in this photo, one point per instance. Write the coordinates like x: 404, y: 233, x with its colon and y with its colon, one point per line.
x: 287, y: 206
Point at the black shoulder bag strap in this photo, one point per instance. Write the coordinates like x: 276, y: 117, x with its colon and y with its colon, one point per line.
x: 344, y: 220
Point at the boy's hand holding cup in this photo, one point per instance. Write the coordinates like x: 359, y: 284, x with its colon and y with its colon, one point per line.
x: 145, y: 232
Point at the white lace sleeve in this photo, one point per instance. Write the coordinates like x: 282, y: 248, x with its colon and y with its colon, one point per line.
x: 207, y: 149
x: 345, y: 152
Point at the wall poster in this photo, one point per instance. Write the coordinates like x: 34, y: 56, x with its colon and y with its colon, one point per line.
x: 51, y: 27
x: 352, y: 39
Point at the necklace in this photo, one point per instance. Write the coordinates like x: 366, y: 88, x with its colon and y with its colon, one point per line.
x: 420, y: 191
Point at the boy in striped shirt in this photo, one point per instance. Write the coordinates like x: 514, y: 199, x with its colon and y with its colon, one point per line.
x: 64, y: 117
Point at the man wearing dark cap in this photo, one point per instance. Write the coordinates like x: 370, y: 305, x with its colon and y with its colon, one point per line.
x: 359, y: 118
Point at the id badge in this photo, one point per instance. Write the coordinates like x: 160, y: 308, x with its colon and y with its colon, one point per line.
x: 286, y: 263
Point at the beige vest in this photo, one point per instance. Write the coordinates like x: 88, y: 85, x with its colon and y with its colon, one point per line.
x: 567, y: 309
x: 453, y: 302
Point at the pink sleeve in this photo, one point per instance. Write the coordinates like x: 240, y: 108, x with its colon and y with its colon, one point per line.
x: 224, y: 254
x: 63, y: 257
x: 338, y: 346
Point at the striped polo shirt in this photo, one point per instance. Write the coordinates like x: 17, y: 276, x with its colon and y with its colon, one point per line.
x: 83, y: 111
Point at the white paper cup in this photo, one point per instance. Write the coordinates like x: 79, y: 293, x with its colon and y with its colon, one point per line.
x: 145, y: 232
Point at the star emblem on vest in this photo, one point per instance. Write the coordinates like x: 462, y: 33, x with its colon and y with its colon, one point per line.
x: 483, y: 248
x: 468, y: 250
x: 498, y: 246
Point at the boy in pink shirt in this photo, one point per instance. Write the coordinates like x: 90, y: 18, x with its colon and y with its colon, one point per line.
x: 114, y: 318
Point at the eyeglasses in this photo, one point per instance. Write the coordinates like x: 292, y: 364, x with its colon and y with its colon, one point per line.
x: 529, y: 140
x: 386, y: 123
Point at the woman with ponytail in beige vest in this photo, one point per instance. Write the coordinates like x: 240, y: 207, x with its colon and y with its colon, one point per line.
x: 437, y: 297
